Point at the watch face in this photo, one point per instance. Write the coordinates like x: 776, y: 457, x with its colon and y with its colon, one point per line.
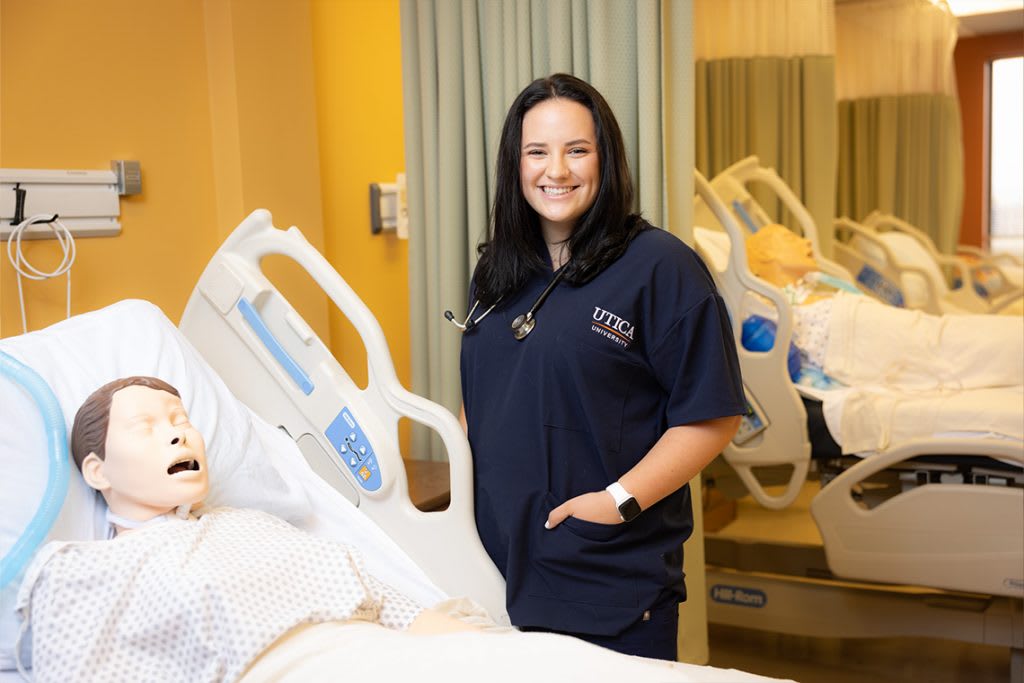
x: 629, y: 510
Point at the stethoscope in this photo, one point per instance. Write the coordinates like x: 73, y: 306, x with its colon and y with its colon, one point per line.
x: 522, y: 325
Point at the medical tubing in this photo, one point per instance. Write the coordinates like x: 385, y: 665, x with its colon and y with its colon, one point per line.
x: 59, y: 472
x: 25, y: 269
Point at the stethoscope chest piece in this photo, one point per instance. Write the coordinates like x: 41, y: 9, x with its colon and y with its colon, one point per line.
x: 523, y: 325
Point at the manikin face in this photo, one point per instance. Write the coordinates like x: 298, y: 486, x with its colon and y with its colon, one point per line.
x: 779, y: 255
x: 559, y: 169
x: 155, y: 459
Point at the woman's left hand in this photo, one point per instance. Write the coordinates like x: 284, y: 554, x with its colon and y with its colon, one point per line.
x: 598, y: 507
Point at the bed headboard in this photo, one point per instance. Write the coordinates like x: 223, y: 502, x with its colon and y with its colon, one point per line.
x: 274, y: 362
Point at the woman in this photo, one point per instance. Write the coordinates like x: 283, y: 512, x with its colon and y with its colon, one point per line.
x: 586, y: 427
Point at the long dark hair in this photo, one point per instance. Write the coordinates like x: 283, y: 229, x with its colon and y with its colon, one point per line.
x: 602, y: 233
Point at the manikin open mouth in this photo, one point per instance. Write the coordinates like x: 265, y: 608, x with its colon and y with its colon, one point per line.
x: 184, y: 466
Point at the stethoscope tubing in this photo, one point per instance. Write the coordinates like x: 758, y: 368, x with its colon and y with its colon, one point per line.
x: 522, y: 325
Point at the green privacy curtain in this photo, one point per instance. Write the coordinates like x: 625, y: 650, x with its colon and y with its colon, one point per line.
x: 900, y: 141
x: 462, y: 65
x: 765, y: 85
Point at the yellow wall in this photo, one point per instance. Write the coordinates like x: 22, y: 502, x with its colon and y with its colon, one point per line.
x: 215, y: 99
x: 357, y: 52
x: 82, y: 83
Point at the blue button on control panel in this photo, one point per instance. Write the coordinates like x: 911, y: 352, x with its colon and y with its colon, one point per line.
x: 354, y: 449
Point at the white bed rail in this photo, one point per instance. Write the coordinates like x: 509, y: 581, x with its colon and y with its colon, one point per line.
x: 785, y: 441
x: 966, y: 537
x: 275, y: 363
x: 877, y: 267
x: 965, y: 296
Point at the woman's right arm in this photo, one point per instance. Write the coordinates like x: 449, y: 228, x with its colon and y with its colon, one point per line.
x: 462, y: 419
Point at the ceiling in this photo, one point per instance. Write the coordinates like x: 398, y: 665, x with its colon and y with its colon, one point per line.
x: 980, y: 17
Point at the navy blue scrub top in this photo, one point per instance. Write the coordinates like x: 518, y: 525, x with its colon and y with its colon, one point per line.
x: 611, y: 365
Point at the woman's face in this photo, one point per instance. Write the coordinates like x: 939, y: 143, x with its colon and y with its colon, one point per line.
x: 559, y: 169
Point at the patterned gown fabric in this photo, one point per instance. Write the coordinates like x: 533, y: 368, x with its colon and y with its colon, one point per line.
x: 192, y: 600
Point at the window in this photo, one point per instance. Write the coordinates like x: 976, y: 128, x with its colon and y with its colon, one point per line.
x: 1006, y: 156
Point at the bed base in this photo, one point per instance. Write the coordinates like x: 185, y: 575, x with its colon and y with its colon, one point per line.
x: 784, y: 602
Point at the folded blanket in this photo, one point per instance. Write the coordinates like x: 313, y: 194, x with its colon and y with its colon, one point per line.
x: 869, y: 419
x: 870, y: 343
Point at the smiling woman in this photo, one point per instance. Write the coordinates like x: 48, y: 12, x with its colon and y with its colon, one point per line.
x: 585, y: 432
x: 560, y: 169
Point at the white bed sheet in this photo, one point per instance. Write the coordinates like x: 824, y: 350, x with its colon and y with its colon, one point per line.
x: 319, y: 653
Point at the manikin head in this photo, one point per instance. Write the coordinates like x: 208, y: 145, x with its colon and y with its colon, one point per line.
x: 133, y: 442
x: 780, y: 256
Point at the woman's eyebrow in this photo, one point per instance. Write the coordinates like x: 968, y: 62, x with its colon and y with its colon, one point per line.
x: 570, y: 143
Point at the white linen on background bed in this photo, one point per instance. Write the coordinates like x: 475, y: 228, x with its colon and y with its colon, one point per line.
x: 863, y: 420
x: 914, y: 375
x: 874, y: 344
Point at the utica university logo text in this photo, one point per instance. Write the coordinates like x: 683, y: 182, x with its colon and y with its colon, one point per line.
x: 611, y: 326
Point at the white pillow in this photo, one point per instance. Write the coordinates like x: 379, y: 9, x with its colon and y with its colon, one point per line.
x: 77, y: 356
x: 714, y: 246
x: 909, y: 252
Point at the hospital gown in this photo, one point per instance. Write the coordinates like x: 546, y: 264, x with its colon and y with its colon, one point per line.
x: 192, y: 600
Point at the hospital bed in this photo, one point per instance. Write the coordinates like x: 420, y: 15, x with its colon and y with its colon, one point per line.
x: 901, y: 265
x: 939, y: 515
x: 289, y: 432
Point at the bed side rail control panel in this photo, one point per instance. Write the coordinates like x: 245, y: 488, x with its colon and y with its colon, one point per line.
x: 354, y: 450
x: 753, y: 422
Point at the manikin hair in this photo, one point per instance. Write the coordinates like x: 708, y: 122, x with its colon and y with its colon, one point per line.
x: 89, y: 431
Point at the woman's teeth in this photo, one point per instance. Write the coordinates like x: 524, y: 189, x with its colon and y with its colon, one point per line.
x: 557, y: 191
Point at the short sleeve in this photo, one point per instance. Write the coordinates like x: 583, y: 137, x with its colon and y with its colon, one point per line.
x: 695, y: 361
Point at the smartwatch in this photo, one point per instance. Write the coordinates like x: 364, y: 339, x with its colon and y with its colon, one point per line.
x: 629, y: 509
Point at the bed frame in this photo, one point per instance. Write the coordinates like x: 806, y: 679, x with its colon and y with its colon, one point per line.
x: 862, y: 249
x: 960, y: 545
x: 274, y: 362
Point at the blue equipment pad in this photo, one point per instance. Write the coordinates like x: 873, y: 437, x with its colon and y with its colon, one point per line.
x: 354, y: 449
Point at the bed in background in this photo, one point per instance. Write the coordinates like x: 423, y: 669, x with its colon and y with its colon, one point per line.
x: 959, y: 531
x: 901, y: 265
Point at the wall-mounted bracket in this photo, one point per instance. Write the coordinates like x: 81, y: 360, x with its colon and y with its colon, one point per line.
x: 86, y: 201
x: 389, y: 211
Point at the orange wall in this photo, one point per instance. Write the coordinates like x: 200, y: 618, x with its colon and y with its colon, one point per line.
x: 972, y: 56
x: 87, y: 82
x: 357, y: 55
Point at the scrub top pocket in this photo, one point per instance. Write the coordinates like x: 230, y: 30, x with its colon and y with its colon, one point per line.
x: 572, y: 567
x: 592, y: 531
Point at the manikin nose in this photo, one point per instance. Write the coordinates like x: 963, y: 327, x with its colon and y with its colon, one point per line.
x: 178, y: 440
